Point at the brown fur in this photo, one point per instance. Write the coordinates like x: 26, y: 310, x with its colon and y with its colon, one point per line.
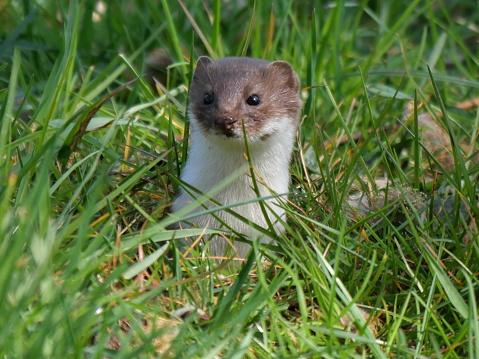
x: 230, y: 83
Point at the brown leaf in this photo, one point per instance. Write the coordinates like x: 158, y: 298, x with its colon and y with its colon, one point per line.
x: 84, y: 124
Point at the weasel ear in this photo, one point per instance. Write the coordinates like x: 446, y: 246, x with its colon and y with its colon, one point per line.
x: 201, y: 72
x: 203, y: 62
x: 283, y: 71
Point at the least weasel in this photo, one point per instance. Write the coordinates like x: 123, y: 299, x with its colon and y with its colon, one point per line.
x: 224, y: 95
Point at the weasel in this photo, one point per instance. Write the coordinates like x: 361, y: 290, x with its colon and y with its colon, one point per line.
x: 224, y: 96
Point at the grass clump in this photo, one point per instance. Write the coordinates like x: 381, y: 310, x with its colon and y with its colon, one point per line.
x: 379, y: 257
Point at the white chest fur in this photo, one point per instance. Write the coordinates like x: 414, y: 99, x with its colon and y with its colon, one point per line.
x: 213, y: 159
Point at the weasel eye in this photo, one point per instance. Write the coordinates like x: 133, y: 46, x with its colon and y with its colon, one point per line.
x: 253, y: 100
x: 208, y: 99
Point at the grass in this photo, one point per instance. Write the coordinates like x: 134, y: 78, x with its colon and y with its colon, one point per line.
x: 89, y: 166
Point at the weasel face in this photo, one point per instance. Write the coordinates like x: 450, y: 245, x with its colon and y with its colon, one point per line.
x: 226, y: 93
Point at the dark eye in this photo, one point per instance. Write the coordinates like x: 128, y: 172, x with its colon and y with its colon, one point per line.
x: 253, y: 100
x: 208, y: 99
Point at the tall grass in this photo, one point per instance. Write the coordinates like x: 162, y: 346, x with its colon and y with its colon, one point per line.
x: 91, y: 151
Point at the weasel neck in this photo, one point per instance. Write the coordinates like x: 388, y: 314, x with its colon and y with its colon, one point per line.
x: 213, y: 158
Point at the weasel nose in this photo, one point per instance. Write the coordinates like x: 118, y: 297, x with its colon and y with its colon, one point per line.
x: 225, y: 124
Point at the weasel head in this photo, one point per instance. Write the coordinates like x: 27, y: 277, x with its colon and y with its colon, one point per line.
x: 233, y: 91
